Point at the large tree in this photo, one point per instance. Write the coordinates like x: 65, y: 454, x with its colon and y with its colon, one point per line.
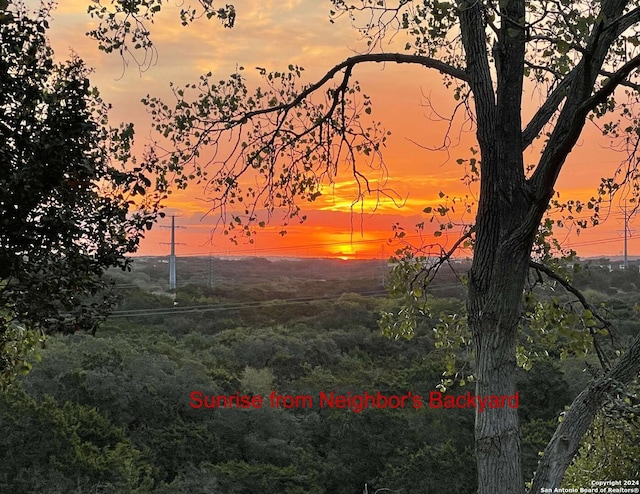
x: 72, y: 201
x: 581, y: 56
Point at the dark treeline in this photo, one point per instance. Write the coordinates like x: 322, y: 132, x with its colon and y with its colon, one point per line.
x: 111, y: 412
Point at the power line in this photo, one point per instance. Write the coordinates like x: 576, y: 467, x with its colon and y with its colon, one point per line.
x: 193, y: 309
x: 587, y: 243
x: 383, y: 241
x: 238, y: 306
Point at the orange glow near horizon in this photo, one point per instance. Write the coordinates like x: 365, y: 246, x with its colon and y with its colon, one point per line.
x: 273, y: 35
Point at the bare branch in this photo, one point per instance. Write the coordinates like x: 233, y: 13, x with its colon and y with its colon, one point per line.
x: 430, y: 272
x: 467, y: 236
x: 616, y: 79
x: 635, y: 87
x: 546, y: 111
x: 626, y: 21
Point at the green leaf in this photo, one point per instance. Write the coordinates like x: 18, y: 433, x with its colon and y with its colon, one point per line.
x: 562, y: 46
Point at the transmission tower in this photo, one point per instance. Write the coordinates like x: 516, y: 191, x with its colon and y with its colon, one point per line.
x: 627, y: 233
x: 626, y: 216
x: 172, y: 257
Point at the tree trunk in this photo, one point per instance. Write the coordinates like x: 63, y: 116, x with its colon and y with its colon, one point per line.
x: 496, y: 431
x: 494, y: 312
x: 506, y: 222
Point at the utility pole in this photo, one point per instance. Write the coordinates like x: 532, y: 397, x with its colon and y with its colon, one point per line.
x: 626, y: 234
x: 385, y: 266
x: 172, y: 257
x: 210, y: 272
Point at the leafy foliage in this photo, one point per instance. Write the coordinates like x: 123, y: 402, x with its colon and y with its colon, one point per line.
x: 289, y: 154
x: 126, y: 392
x: 73, y: 201
x: 611, y: 450
x: 77, y: 448
x: 124, y: 26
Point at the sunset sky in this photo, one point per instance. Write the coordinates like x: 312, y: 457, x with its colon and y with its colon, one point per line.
x: 274, y: 34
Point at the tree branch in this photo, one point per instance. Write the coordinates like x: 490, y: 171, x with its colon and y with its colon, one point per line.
x: 569, y: 287
x: 634, y: 86
x: 604, y: 361
x: 478, y: 70
x: 616, y: 79
x: 626, y: 21
x: 566, y: 440
x: 431, y: 271
x: 554, y: 40
x: 351, y: 62
x: 546, y: 111
x: 579, y: 102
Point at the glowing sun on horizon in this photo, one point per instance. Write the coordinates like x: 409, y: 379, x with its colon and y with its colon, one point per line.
x: 345, y: 252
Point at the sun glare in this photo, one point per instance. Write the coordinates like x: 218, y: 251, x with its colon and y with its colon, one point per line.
x: 345, y: 252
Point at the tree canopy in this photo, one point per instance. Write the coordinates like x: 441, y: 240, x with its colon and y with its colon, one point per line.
x: 72, y: 201
x: 580, y: 57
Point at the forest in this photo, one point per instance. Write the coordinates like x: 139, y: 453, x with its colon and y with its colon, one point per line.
x: 114, y: 412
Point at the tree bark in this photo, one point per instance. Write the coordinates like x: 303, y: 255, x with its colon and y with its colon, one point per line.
x: 494, y: 314
x: 501, y: 258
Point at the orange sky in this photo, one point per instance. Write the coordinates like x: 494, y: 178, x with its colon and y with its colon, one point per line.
x: 273, y: 34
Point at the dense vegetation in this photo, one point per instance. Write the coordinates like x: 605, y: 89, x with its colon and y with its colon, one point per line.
x: 111, y: 412
x: 71, y: 204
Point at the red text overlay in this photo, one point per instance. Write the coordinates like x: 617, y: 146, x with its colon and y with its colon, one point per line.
x: 356, y: 402
x: 438, y: 400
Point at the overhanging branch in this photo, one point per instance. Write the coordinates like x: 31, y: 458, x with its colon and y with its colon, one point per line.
x: 604, y: 361
x: 351, y: 62
x: 566, y: 440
